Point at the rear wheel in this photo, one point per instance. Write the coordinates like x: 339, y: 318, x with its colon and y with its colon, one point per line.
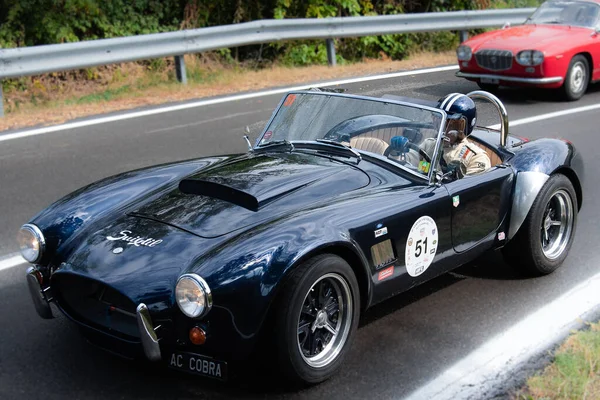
x: 316, y: 319
x: 543, y: 241
x: 577, y: 78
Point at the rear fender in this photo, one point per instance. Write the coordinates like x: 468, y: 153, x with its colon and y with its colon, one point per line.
x: 534, y: 162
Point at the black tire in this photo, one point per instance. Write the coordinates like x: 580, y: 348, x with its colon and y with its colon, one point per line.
x: 577, y: 78
x: 525, y: 250
x: 488, y: 87
x: 318, y: 270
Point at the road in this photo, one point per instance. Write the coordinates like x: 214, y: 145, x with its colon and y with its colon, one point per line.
x: 401, y: 344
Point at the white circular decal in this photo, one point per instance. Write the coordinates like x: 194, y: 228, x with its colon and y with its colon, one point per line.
x: 421, y: 246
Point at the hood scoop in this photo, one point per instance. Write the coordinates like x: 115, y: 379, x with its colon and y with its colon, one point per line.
x: 248, y: 190
x: 219, y: 191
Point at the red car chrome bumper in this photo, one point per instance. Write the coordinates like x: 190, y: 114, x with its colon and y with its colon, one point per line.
x: 500, y: 79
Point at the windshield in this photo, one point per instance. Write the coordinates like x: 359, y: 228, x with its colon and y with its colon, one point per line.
x: 574, y: 13
x: 404, y: 134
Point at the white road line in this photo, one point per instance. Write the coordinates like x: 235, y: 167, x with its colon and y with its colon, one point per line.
x: 206, y: 121
x: 555, y: 114
x: 495, y: 361
x: 11, y: 262
x: 137, y: 114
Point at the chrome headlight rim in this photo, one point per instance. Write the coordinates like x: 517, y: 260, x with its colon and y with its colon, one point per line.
x: 467, y: 55
x: 41, y: 240
x: 203, y: 286
x: 532, y: 55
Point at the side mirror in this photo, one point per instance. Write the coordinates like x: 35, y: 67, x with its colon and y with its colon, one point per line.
x: 440, y: 177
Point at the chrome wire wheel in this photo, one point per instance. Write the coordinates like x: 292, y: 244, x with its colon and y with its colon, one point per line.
x: 557, y: 224
x: 578, y: 77
x: 325, y: 320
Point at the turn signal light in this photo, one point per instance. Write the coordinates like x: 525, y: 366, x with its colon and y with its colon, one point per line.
x: 197, y: 336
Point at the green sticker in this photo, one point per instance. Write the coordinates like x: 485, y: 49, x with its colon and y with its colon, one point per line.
x: 456, y: 201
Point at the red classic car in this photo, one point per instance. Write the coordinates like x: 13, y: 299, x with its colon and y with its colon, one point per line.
x: 558, y: 47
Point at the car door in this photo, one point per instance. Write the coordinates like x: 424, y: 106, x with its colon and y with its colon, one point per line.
x: 409, y: 245
x: 479, y: 206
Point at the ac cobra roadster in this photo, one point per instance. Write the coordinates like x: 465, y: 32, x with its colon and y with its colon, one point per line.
x: 335, y: 208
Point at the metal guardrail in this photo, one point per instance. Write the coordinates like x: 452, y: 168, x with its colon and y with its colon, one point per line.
x: 36, y: 60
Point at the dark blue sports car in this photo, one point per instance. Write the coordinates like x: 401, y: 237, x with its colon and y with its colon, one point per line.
x: 342, y: 202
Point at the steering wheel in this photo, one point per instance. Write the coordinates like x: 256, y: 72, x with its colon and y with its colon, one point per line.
x: 411, y: 146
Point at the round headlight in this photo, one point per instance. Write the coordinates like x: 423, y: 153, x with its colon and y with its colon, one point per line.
x: 530, y: 57
x: 31, y: 243
x: 464, y: 53
x: 537, y: 57
x: 524, y: 57
x: 193, y: 295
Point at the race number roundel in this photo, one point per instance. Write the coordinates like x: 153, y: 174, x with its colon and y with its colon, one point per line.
x: 421, y: 246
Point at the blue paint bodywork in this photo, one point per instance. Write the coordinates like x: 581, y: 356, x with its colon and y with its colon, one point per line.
x: 309, y: 203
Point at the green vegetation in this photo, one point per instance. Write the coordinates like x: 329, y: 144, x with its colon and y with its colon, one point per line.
x: 41, y: 22
x: 574, y: 372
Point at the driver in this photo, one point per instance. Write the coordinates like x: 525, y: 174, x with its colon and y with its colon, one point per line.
x: 460, y: 153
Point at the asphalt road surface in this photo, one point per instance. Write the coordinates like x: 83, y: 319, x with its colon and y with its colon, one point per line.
x: 401, y: 344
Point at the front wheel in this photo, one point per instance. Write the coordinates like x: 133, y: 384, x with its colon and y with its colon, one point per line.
x: 577, y: 78
x: 543, y: 241
x: 316, y: 320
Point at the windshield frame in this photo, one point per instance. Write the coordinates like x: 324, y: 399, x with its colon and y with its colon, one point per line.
x: 594, y: 27
x: 434, y: 161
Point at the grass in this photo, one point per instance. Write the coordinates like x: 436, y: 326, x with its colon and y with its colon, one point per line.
x: 58, y: 97
x: 574, y: 372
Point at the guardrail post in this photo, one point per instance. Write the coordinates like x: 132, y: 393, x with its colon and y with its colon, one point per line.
x: 1, y: 101
x: 330, y: 52
x: 180, y: 69
x: 463, y: 36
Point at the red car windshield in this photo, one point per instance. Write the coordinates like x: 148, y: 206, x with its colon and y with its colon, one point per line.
x: 572, y: 13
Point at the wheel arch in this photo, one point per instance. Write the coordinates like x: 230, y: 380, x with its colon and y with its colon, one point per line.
x: 569, y: 173
x: 590, y: 61
x: 349, y: 253
x: 527, y: 186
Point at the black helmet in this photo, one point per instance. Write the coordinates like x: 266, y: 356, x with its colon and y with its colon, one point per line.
x: 458, y: 103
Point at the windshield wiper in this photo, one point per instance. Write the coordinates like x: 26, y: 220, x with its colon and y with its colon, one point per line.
x: 342, y: 145
x: 283, y: 142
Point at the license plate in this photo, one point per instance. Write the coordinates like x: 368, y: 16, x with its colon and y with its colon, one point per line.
x: 199, y: 365
x: 492, y: 81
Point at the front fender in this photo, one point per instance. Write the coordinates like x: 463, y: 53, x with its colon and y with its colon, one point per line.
x: 245, y: 272
x: 533, y: 164
x: 113, y: 195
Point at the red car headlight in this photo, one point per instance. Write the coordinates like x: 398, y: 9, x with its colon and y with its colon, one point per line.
x: 464, y: 53
x: 530, y: 58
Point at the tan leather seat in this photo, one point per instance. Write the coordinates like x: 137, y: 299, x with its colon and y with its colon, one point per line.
x: 494, y: 157
x: 371, y: 144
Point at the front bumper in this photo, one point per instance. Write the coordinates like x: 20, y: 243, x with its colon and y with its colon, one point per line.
x: 510, y: 79
x: 133, y: 332
x: 41, y: 300
x: 148, y: 333
x: 39, y: 294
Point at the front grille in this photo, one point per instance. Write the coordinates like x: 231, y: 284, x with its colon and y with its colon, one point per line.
x: 494, y: 60
x: 95, y: 304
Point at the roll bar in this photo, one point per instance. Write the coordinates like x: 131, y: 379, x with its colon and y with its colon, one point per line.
x: 480, y: 94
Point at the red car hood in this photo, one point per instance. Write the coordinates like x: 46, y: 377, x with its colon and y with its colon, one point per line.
x: 528, y: 37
